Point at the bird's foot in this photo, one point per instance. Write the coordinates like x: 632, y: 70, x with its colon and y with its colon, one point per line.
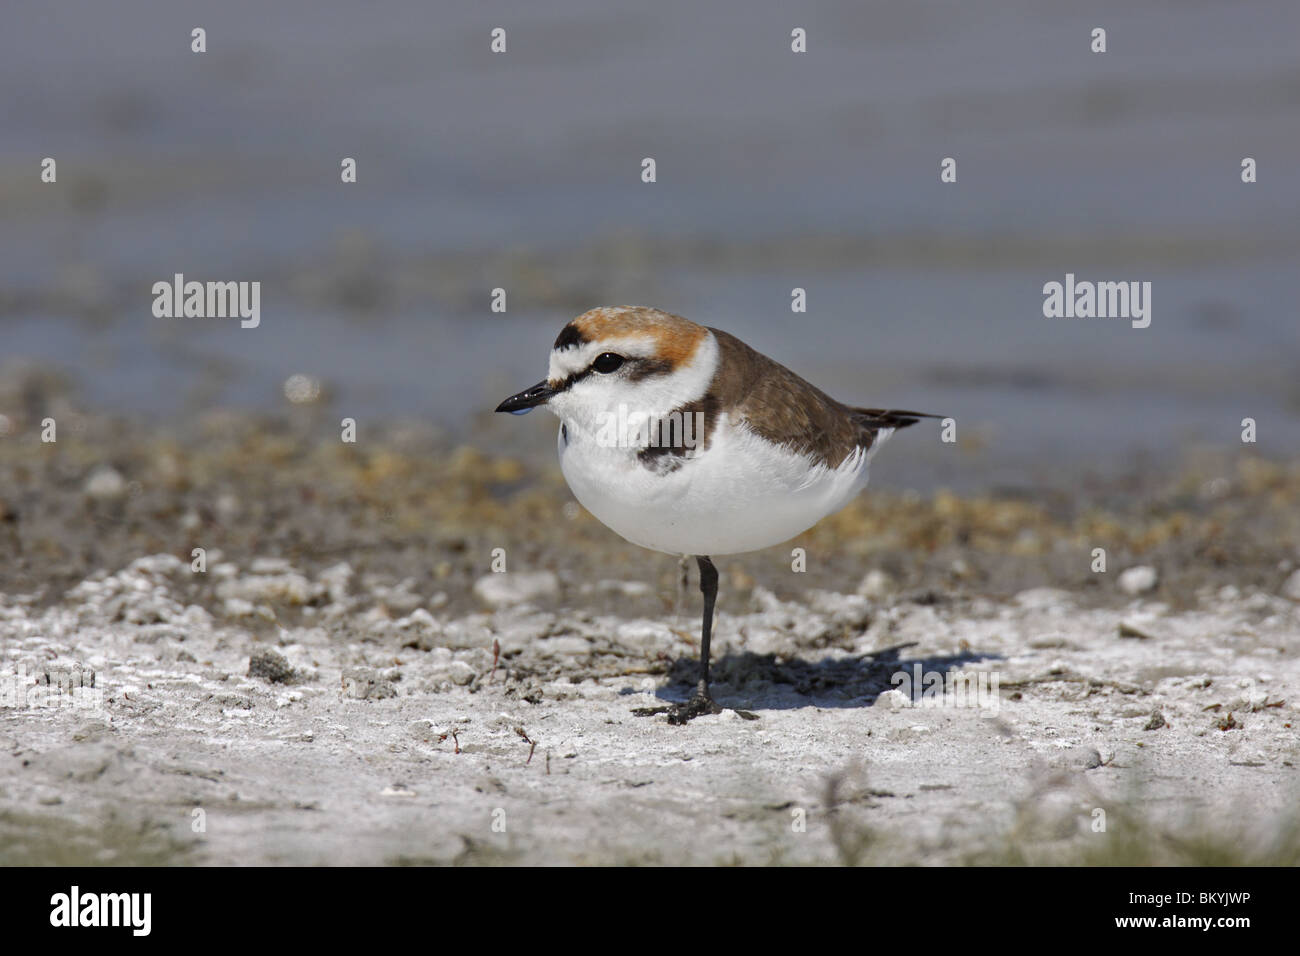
x: 697, y: 706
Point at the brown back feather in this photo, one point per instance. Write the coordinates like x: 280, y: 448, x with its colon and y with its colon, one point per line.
x: 785, y: 409
x: 778, y: 405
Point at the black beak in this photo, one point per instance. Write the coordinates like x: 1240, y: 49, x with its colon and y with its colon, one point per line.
x: 527, y: 400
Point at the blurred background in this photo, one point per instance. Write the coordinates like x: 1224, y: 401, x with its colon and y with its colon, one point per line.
x: 775, y: 170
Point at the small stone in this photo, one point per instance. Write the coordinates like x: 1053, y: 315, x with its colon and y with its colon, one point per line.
x: 365, y: 683
x: 419, y: 629
x: 301, y: 389
x: 270, y: 665
x: 625, y: 588
x: 459, y: 673
x: 1138, y: 580
x: 1050, y: 642
x: 642, y: 636
x: 270, y: 566
x: 877, y: 585
x: 1044, y: 598
x: 570, y: 645
x: 465, y: 633
x: 1082, y: 758
x: 1132, y: 628
x: 1291, y: 588
x: 850, y: 611
x: 105, y: 484
x: 516, y: 587
x: 1156, y: 722
x: 892, y: 700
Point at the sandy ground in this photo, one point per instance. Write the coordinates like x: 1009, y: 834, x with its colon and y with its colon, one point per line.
x: 372, y: 739
x: 324, y: 689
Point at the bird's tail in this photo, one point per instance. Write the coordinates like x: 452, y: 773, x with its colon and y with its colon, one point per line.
x: 890, y: 417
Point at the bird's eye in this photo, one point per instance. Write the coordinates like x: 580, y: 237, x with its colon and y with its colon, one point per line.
x: 607, y: 362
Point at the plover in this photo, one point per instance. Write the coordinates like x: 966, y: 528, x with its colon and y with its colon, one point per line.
x: 683, y: 439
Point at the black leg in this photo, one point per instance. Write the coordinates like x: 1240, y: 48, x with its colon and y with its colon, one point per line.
x: 709, y: 588
x: 701, y: 703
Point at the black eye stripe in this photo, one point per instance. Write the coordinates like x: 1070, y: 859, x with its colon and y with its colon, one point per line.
x: 637, y: 369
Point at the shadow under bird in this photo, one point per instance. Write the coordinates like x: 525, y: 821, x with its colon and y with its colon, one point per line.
x: 683, y: 439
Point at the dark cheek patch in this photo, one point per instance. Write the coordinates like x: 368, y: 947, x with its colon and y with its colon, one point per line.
x: 639, y: 368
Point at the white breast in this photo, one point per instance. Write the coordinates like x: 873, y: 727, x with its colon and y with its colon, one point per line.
x: 740, y: 494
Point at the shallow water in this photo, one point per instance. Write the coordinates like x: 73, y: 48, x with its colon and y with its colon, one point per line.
x: 775, y: 170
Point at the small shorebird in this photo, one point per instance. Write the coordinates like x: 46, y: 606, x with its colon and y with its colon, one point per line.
x: 683, y: 439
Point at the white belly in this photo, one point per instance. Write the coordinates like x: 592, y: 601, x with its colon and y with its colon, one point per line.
x: 739, y: 494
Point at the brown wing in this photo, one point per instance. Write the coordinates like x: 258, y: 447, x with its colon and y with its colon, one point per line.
x: 780, y: 406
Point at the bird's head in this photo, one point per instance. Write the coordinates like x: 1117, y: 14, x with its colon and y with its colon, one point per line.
x: 648, y: 361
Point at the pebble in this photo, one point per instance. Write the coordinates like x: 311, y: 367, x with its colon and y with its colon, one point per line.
x: 1291, y: 588
x: 516, y: 629
x: 892, y: 700
x: 337, y: 579
x: 1132, y: 628
x: 843, y: 610
x: 877, y: 585
x: 302, y: 389
x: 159, y: 564
x: 1081, y: 758
x: 1050, y: 642
x: 646, y: 637
x: 420, y: 629
x: 105, y: 484
x: 625, y: 588
x: 516, y: 587
x: 568, y: 645
x: 270, y: 665
x: 1138, y: 580
x: 458, y: 672
x: 467, y: 632
x: 365, y: 683
x: 275, y: 585
x: 1044, y: 598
